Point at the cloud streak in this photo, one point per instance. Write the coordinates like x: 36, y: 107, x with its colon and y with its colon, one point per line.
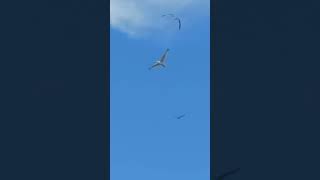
x: 139, y: 17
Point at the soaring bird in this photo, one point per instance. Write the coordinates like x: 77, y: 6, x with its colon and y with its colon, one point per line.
x: 160, y: 62
x: 224, y: 175
x: 175, y: 18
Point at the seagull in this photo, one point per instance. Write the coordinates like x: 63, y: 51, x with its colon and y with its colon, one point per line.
x: 179, y: 117
x: 222, y: 176
x: 175, y: 18
x: 161, y: 61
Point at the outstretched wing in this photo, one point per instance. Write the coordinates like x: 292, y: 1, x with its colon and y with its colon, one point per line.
x: 164, y: 56
x: 154, y: 65
x: 179, y: 21
x: 175, y: 18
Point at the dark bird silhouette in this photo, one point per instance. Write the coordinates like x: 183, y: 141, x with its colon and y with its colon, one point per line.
x: 175, y: 18
x: 179, y: 117
x: 224, y: 175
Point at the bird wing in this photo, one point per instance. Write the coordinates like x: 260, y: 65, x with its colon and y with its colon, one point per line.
x: 154, y: 65
x: 179, y: 24
x: 164, y: 56
x: 181, y: 116
x: 179, y: 21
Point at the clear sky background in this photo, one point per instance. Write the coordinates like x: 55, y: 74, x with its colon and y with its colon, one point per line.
x: 147, y: 141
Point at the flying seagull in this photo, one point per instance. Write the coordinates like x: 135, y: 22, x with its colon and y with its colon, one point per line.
x: 176, y: 19
x: 224, y: 175
x: 179, y: 117
x: 160, y: 62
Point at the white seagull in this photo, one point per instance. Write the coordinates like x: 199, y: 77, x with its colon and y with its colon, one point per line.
x: 161, y: 61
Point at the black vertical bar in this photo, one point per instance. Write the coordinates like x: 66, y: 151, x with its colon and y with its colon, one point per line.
x: 212, y: 86
x: 107, y: 87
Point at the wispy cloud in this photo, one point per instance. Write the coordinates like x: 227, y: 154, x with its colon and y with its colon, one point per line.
x: 137, y: 17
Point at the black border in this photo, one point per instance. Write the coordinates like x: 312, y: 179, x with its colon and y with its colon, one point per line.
x: 107, y: 87
x: 42, y: 135
x: 212, y: 86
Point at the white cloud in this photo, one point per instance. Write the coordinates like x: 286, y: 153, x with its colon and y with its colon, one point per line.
x: 137, y: 17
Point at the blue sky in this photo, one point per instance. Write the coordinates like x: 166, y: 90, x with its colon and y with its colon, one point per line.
x: 147, y: 141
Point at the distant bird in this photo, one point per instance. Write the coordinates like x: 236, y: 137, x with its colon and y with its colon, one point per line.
x: 172, y: 15
x: 224, y: 175
x: 160, y: 62
x: 179, y: 117
x: 176, y: 19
